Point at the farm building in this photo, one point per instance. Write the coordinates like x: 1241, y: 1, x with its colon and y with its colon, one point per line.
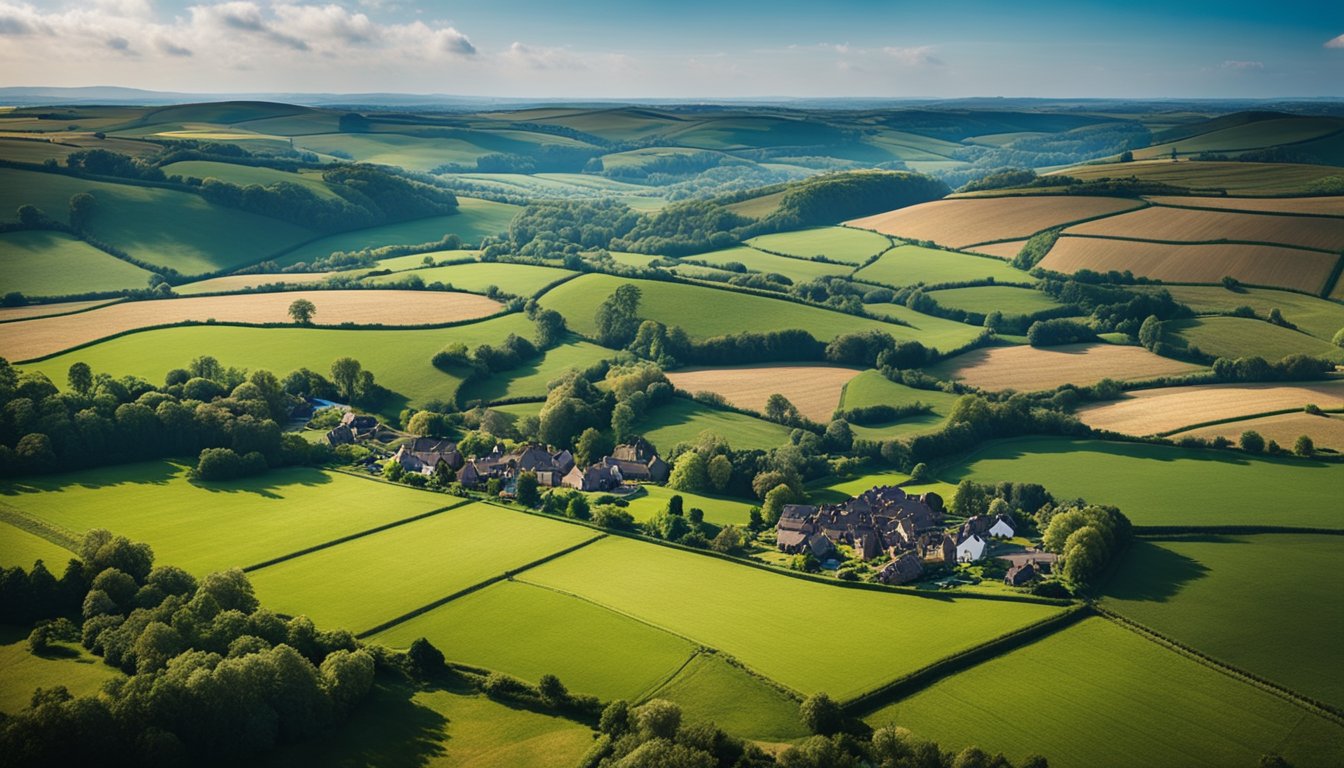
x: 352, y: 429
x: 635, y: 462
x: 971, y: 550
x: 423, y: 454
x: 549, y: 466
x: 1004, y: 527
x: 594, y: 478
x: 1022, y: 574
x: 903, y: 569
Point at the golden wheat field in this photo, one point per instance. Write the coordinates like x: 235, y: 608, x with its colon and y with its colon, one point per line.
x: 1165, y: 409
x: 968, y: 221
x: 1195, y: 263
x: 8, y: 314
x: 28, y: 339
x: 1005, y: 250
x: 1187, y: 225
x: 1284, y: 429
x: 1316, y: 206
x: 814, y: 389
x: 1031, y: 369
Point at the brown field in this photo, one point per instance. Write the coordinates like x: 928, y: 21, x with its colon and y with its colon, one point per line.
x: 28, y: 339
x: 1284, y: 429
x: 1164, y: 409
x: 1031, y: 369
x: 814, y: 389
x: 1006, y: 251
x: 1197, y: 263
x: 8, y: 314
x: 243, y: 282
x: 960, y: 223
x: 1317, y: 206
x: 1192, y: 226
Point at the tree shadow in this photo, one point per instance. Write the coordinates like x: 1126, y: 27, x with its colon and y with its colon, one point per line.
x: 159, y: 472
x: 1150, y: 572
x: 269, y: 484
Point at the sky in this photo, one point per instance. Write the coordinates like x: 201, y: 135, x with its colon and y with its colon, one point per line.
x: 683, y: 49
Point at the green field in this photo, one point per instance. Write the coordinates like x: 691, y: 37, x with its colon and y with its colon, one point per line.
x: 529, y: 631
x: 782, y: 627
x: 1243, y: 600
x: 172, y: 229
x: 1318, y: 317
x: 720, y: 510
x: 1234, y: 337
x: 245, y: 175
x: 400, y: 360
x: 1166, y: 485
x: 682, y: 420
x: 82, y: 674
x: 830, y: 490
x: 474, y: 219
x: 851, y: 246
x: 530, y: 379
x: 872, y: 388
x: 21, y: 548
x: 913, y: 264
x: 934, y: 332
x: 704, y: 312
x: 713, y: 690
x: 361, y: 583
x: 990, y: 298
x: 215, y: 526
x: 518, y: 279
x: 797, y: 270
x: 1098, y: 694
x: 41, y: 263
x: 1252, y: 135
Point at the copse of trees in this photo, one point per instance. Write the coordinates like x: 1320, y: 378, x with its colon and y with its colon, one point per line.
x: 1047, y: 333
x: 1086, y: 537
x: 832, y: 198
x: 1295, y: 367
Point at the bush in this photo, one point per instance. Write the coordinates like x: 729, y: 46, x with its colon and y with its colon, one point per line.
x: 225, y: 464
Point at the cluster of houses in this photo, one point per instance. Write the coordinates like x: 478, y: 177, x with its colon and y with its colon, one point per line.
x: 352, y: 429
x: 885, y: 520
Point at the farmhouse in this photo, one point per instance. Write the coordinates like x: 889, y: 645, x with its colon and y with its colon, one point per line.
x: 423, y: 454
x: 1004, y: 527
x: 971, y: 550
x: 550, y: 467
x: 636, y: 461
x: 352, y: 429
x: 903, y: 569
x: 1022, y: 574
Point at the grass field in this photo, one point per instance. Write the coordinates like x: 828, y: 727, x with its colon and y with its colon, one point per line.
x: 1192, y: 226
x: 21, y: 548
x: 872, y: 388
x: 1165, y: 409
x: 1195, y: 589
x: 591, y: 649
x: 40, y: 263
x: 1235, y: 177
x: 1195, y: 263
x: 1318, y: 317
x: 214, y: 526
x: 1284, y: 428
x: 1234, y: 337
x: 798, y: 270
x: 474, y: 219
x: 830, y: 490
x: 814, y: 389
x: 30, y: 339
x: 990, y: 298
x: 229, y: 283
x: 911, y: 264
x: 518, y: 279
x: 361, y: 583
x: 682, y: 420
x: 711, y: 689
x: 703, y: 311
x: 934, y: 332
x: 172, y: 229
x: 1251, y: 135
x: 1318, y: 206
x: 960, y: 223
x: 720, y: 510
x: 757, y: 207
x: 82, y: 674
x: 1101, y: 695
x: 790, y: 637
x: 245, y: 175
x: 1029, y: 369
x: 530, y: 379
x: 399, y: 359
x: 1180, y: 486
x: 851, y: 246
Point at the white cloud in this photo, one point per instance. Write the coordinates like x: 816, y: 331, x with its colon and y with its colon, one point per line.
x: 915, y: 56
x: 1337, y: 42
x: 543, y: 58
x: 1243, y: 65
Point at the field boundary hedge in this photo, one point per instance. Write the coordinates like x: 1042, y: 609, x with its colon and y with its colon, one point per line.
x: 117, y: 300
x: 1142, y: 204
x: 1244, y: 210
x: 1223, y: 241
x: 1235, y: 419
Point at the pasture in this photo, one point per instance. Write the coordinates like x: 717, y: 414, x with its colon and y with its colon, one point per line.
x: 82, y: 674
x: 205, y: 527
x: 1112, y: 697
x: 872, y: 388
x: 363, y: 582
x: 518, y: 279
x: 799, y: 270
x: 843, y: 244
x: 1236, y: 177
x: 711, y: 689
x: 1167, y: 409
x: 725, y: 606
x: 972, y: 221
x: 1199, y: 591
x: 1189, y: 225
x: 682, y: 420
x: 1289, y: 129
x: 937, y: 333
x: 232, y: 283
x: 1283, y: 428
x: 719, y: 510
x: 1234, y: 337
x: 1180, y: 486
x: 913, y: 264
x: 1031, y: 369
x: 29, y: 339
x: 814, y: 389
x: 530, y: 379
x: 529, y: 631
x: 23, y: 548
x: 985, y: 299
x: 43, y: 263
x: 246, y: 175
x: 1318, y: 317
x: 831, y: 490
x: 474, y: 219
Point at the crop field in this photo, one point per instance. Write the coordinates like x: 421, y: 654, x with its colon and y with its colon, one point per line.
x: 843, y: 244
x: 1031, y: 369
x: 1195, y: 263
x: 365, y: 581
x: 716, y: 603
x: 556, y: 634
x: 230, y: 283
x: 682, y: 420
x: 399, y: 359
x: 800, y: 270
x: 82, y: 675
x: 1180, y: 486
x: 1188, y: 225
x: 530, y: 379
x: 1243, y: 337
x: 245, y: 175
x: 160, y: 226
x: 1166, y: 409
x: 1315, y: 206
x: 1235, y: 177
x: 814, y: 389
x: 1006, y: 250
x: 1318, y: 317
x: 1284, y: 428
x: 518, y: 279
x: 720, y: 510
x: 41, y: 263
x: 21, y: 548
x: 28, y: 339
x: 985, y: 299
x: 911, y: 264
x: 872, y: 388
x: 961, y: 223
x: 30, y: 311
x: 710, y: 689
x: 205, y: 527
x: 1112, y: 693
x: 702, y: 311
x: 1195, y: 589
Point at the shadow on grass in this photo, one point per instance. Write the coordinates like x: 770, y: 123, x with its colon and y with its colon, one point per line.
x: 142, y: 473
x: 1153, y: 573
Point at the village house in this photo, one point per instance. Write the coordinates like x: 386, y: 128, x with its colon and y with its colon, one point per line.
x: 1004, y: 527
x: 634, y: 462
x: 971, y: 550
x: 550, y: 467
x: 422, y: 455
x: 1022, y: 574
x: 901, y: 570
x: 352, y: 429
x: 881, y: 519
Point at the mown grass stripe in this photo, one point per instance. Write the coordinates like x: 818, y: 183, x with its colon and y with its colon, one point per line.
x: 58, y: 535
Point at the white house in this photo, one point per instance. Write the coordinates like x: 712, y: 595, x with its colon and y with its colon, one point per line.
x: 971, y: 550
x: 1002, y: 528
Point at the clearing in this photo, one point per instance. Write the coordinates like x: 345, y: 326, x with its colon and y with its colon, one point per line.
x: 1031, y: 369
x: 814, y: 389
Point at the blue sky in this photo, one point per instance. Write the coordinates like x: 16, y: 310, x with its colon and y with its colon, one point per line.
x: 686, y: 49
